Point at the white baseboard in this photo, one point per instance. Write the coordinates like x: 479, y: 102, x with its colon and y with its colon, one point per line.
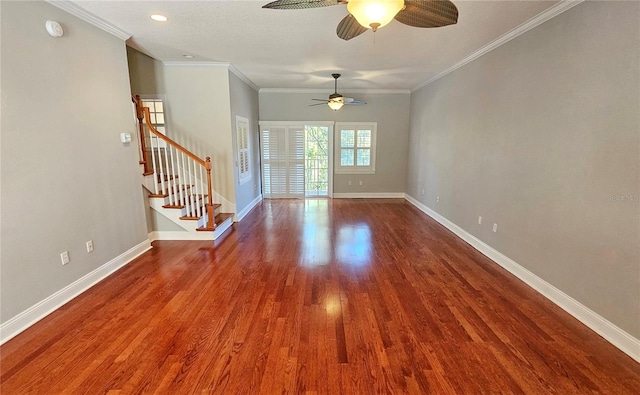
x: 369, y: 195
x: 38, y: 311
x: 194, y: 236
x: 220, y: 229
x: 249, y: 207
x: 178, y: 235
x: 616, y: 336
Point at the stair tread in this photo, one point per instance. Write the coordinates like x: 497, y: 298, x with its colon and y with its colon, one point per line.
x: 219, y: 219
x: 163, y: 193
x: 166, y: 177
x: 192, y: 215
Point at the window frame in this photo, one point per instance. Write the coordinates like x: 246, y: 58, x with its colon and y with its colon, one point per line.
x: 355, y: 126
x: 157, y: 143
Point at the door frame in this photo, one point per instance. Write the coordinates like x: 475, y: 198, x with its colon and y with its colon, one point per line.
x: 329, y: 124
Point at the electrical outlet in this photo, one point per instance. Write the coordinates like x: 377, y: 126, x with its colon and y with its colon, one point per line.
x: 90, y: 246
x: 360, y: 182
x: 495, y: 228
x: 437, y: 199
x: 350, y: 182
x: 64, y: 257
x: 480, y: 220
x: 423, y: 191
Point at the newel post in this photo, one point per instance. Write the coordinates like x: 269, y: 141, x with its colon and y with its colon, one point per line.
x: 143, y: 146
x: 210, y: 219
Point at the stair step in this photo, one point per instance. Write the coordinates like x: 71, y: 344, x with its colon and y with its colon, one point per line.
x: 166, y: 177
x: 163, y: 194
x: 219, y: 219
x: 200, y: 203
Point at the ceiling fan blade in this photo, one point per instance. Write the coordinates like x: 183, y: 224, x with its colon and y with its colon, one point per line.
x: 428, y: 13
x: 324, y: 100
x: 349, y: 28
x: 352, y: 101
x: 299, y: 4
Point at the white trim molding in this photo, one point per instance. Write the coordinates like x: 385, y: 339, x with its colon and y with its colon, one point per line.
x: 88, y: 17
x: 328, y: 91
x: 222, y: 65
x: 243, y: 77
x: 193, y: 236
x: 537, y: 20
x: 243, y: 213
x: 369, y: 195
x: 616, y: 336
x: 38, y: 311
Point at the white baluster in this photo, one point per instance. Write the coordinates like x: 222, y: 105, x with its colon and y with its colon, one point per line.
x: 202, y: 208
x: 177, y: 178
x: 194, y: 196
x: 161, y: 175
x: 170, y: 170
x: 197, y: 194
x: 166, y: 168
x: 153, y: 162
x: 185, y: 171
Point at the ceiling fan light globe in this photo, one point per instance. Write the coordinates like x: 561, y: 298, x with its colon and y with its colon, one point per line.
x: 335, y: 105
x: 374, y: 14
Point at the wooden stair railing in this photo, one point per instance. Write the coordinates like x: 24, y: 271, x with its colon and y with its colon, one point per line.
x: 172, y: 164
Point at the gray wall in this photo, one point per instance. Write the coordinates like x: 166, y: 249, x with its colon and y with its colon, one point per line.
x: 66, y: 178
x: 390, y: 111
x: 536, y: 136
x: 244, y: 102
x: 146, y: 75
x: 198, y: 108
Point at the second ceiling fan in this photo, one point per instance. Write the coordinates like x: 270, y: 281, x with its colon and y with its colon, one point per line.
x: 373, y: 14
x: 336, y: 100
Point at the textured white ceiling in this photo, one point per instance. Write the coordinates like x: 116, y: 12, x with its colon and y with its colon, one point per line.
x: 300, y: 49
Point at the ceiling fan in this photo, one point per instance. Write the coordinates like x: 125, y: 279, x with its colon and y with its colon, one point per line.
x: 373, y: 14
x: 336, y: 100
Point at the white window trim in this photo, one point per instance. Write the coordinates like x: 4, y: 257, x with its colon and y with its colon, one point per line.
x: 371, y: 169
x: 154, y: 97
x: 243, y: 177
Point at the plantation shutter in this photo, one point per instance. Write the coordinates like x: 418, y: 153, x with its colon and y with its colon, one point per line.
x: 283, y: 162
x: 244, y: 168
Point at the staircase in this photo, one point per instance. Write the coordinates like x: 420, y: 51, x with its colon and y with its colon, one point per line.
x: 179, y: 183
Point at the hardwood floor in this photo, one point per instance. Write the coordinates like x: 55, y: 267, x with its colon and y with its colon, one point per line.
x: 315, y: 297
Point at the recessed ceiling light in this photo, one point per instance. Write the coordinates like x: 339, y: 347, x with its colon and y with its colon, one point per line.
x: 188, y: 56
x: 159, y: 18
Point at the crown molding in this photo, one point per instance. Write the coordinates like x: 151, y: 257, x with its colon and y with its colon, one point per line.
x: 243, y: 77
x: 304, y: 90
x: 539, y: 19
x: 222, y: 65
x: 179, y: 63
x: 88, y: 17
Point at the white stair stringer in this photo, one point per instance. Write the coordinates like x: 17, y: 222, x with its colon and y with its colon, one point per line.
x: 189, y: 226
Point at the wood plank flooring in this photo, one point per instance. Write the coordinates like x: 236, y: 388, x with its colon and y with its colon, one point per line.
x: 315, y: 297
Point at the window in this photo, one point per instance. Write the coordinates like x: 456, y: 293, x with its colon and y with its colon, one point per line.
x: 156, y: 113
x: 356, y: 147
x: 157, y: 116
x: 244, y: 160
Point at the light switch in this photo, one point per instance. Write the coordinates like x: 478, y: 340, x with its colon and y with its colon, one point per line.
x: 125, y: 138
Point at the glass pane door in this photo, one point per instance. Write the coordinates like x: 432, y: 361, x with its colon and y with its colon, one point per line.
x: 316, y: 161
